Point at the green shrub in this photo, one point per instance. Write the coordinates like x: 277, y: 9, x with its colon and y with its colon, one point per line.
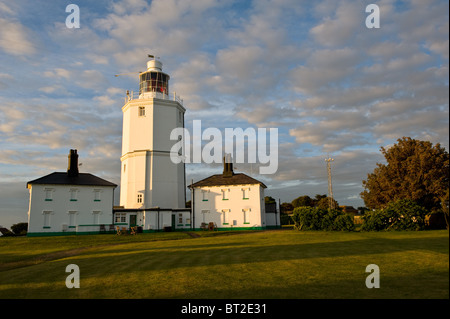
x: 344, y: 222
x: 306, y: 218
x: 406, y: 214
x: 375, y: 221
x: 403, y: 214
x: 20, y: 228
x: 313, y: 218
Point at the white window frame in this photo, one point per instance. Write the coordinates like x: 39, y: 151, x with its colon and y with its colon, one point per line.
x: 224, y: 194
x: 140, y: 198
x: 246, y: 212
x: 97, y: 195
x: 120, y: 218
x: 245, y: 193
x: 72, y: 218
x: 47, y: 218
x: 141, y: 111
x: 205, y: 195
x: 48, y: 194
x: 226, y: 216
x: 73, y: 194
x: 96, y: 217
x: 204, y: 212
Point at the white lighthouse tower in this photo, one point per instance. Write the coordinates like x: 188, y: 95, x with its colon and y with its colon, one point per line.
x: 148, y: 176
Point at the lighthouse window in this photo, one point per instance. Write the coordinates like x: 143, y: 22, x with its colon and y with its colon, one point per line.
x: 141, y: 110
x: 140, y: 198
x: 154, y: 82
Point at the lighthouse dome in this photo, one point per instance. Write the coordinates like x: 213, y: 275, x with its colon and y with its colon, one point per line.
x: 154, y: 65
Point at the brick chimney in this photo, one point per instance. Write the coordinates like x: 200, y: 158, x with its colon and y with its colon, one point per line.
x: 227, y: 166
x: 72, y: 169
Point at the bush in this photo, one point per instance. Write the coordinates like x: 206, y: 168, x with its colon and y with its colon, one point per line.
x: 406, y: 214
x: 306, y: 218
x: 20, y: 228
x: 403, y: 214
x: 344, y: 222
x: 375, y: 221
x: 313, y: 218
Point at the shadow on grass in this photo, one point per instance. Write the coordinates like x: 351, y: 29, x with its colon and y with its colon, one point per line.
x: 144, y: 260
x: 232, y: 252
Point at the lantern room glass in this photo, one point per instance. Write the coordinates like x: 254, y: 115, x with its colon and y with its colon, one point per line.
x: 154, y: 82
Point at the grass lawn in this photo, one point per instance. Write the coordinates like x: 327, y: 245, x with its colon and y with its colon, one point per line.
x: 284, y: 264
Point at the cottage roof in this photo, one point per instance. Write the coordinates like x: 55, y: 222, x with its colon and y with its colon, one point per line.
x: 221, y: 180
x: 62, y: 178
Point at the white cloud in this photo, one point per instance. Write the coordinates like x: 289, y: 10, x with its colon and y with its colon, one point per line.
x: 15, y: 38
x: 340, y: 29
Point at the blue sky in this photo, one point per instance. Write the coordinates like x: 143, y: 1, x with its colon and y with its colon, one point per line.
x: 312, y: 69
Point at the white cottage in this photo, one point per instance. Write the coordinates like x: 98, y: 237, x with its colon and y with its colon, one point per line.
x: 71, y: 202
x: 229, y: 201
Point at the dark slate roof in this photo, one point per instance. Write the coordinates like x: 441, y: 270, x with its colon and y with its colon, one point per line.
x: 59, y: 178
x: 220, y: 180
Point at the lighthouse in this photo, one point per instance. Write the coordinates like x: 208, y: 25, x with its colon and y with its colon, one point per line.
x: 149, y: 178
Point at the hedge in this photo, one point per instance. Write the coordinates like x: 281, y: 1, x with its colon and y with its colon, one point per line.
x: 314, y: 218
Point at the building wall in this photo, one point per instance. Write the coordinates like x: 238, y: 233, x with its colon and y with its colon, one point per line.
x: 61, y: 209
x: 146, y: 165
x: 158, y: 220
x: 236, y: 210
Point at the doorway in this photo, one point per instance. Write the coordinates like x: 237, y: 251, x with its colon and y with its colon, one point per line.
x: 132, y: 220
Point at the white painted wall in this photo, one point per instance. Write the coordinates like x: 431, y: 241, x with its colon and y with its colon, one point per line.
x: 153, y: 222
x: 146, y: 164
x: 55, y: 215
x: 229, y: 212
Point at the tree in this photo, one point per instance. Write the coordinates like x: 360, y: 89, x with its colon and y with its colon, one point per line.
x: 303, y: 201
x: 324, y: 203
x: 286, y: 207
x: 318, y: 197
x: 415, y: 170
x: 444, y: 207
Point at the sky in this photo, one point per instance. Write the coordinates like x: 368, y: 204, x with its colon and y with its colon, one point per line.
x: 312, y: 69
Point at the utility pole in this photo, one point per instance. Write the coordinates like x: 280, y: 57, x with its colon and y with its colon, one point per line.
x: 330, y: 187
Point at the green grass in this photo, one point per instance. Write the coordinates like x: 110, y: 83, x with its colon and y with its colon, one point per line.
x: 230, y: 265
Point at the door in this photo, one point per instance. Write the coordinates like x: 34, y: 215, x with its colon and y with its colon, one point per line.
x: 132, y: 220
x: 173, y: 221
